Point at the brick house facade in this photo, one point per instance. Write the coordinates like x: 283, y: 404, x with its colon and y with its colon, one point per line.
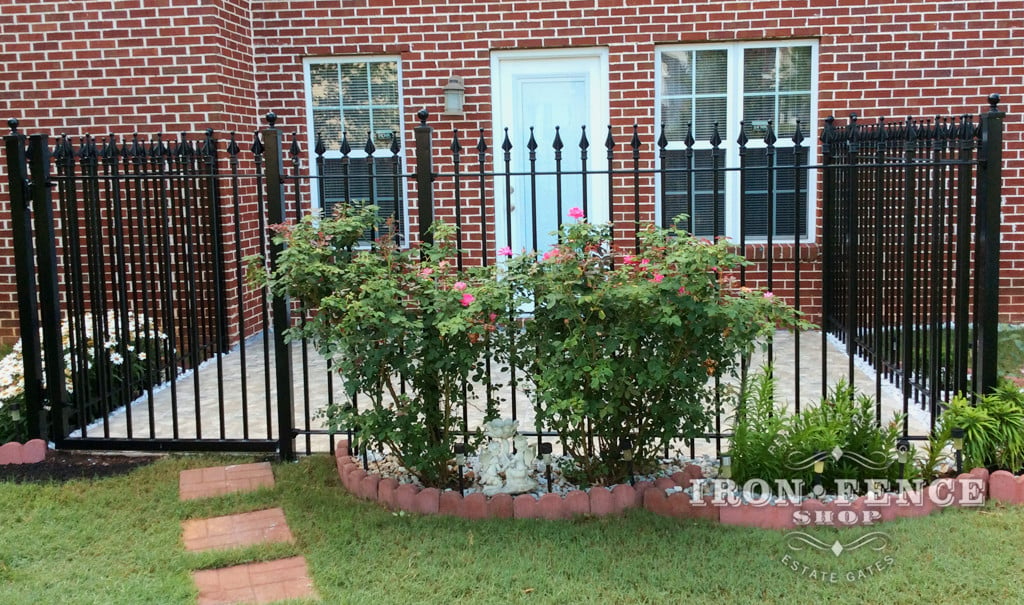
x: 186, y: 65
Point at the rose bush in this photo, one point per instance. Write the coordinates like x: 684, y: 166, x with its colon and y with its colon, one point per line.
x: 629, y: 348
x: 405, y: 329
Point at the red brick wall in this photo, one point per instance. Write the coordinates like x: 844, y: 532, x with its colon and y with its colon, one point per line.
x: 183, y: 65
x: 99, y: 67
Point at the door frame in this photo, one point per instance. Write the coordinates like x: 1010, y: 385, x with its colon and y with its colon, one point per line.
x: 593, y: 60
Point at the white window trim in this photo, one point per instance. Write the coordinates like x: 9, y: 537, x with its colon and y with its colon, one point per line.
x: 729, y: 134
x: 357, y: 144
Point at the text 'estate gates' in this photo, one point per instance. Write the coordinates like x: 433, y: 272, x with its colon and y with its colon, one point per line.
x: 131, y: 260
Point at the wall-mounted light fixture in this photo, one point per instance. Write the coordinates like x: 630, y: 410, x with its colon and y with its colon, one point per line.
x: 455, y: 97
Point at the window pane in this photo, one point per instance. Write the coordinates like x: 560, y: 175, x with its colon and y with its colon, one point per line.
x: 676, y: 185
x: 757, y: 111
x: 385, y: 122
x: 351, y: 184
x: 712, y: 71
x: 676, y: 114
x: 384, y: 81
x: 357, y: 123
x: 354, y: 84
x: 791, y: 109
x: 324, y: 88
x: 788, y: 206
x: 676, y: 73
x: 327, y: 125
x: 709, y: 111
x: 795, y: 69
x: 759, y: 70
x: 679, y: 197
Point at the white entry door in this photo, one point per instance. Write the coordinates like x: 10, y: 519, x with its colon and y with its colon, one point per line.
x: 564, y: 89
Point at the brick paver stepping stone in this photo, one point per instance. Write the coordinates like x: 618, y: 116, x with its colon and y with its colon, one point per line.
x: 255, y: 583
x: 233, y: 531
x: 220, y: 480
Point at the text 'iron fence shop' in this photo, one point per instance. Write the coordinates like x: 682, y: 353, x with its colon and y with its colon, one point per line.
x: 154, y: 341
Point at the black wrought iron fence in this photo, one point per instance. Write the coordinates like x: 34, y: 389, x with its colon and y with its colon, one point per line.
x: 884, y: 243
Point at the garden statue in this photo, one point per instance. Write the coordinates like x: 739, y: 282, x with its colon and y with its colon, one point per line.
x: 502, y: 470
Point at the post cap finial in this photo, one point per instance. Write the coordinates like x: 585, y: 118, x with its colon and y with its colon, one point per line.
x: 423, y: 114
x: 13, y: 124
x: 993, y: 100
x: 271, y: 119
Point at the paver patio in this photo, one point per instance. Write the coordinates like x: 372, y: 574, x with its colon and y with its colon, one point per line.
x: 311, y: 393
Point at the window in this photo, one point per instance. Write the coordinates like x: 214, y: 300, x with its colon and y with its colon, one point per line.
x: 701, y: 86
x: 357, y: 98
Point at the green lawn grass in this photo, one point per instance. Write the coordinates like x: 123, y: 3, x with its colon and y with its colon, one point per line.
x: 119, y: 541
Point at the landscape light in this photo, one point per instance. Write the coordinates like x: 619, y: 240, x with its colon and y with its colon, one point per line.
x: 958, y: 445
x: 902, y: 453
x: 626, y: 447
x: 725, y: 469
x: 460, y: 460
x: 545, y: 451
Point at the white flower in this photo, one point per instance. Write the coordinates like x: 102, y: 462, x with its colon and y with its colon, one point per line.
x: 116, y: 359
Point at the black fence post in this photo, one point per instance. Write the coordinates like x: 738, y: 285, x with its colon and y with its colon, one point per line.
x: 49, y: 290
x: 986, y: 310
x: 424, y: 177
x: 280, y: 305
x: 20, y: 188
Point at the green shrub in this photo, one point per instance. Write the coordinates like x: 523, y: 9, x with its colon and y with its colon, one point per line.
x: 993, y: 428
x: 772, y: 444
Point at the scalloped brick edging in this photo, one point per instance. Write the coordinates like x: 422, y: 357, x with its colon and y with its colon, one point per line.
x: 30, y: 452
x: 600, y: 501
x: 410, y: 498
x: 1006, y: 487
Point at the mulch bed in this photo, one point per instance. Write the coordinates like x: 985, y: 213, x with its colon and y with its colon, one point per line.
x: 61, y: 466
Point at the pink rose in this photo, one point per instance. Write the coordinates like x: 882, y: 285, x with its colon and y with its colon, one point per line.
x: 769, y: 295
x: 505, y: 251
x: 576, y: 212
x: 426, y: 271
x: 657, y: 278
x: 550, y: 254
x: 459, y: 285
x: 467, y: 299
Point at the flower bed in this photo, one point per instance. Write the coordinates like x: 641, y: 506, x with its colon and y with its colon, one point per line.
x: 665, y: 496
x: 123, y: 352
